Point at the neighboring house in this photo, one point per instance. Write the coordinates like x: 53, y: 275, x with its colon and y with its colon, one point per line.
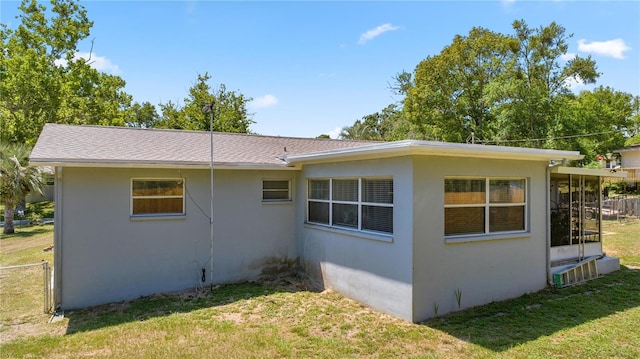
x: 47, y: 190
x: 630, y: 161
x: 399, y: 226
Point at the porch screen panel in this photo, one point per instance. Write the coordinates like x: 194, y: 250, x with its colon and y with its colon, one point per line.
x: 591, y: 216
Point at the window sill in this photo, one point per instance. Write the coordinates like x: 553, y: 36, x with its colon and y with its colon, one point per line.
x: 486, y: 237
x: 388, y: 238
x: 276, y: 202
x: 157, y: 217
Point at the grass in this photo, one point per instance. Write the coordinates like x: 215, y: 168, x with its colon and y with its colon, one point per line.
x: 624, y: 242
x: 597, y: 319
x: 34, y: 211
x: 21, y: 289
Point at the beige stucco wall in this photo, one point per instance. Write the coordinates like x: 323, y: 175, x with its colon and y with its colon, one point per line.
x: 103, y: 255
x: 374, y: 270
x: 484, y: 269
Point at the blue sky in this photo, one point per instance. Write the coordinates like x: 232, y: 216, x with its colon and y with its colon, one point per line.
x: 315, y: 67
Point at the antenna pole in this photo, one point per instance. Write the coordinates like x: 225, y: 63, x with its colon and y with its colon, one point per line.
x: 209, y: 108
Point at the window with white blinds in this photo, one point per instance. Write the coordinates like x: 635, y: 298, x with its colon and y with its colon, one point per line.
x: 364, y: 204
x: 484, y: 205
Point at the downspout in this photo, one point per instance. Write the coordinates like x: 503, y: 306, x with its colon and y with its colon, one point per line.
x: 57, y: 240
x: 551, y: 165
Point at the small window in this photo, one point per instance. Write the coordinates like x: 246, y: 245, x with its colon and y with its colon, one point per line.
x: 157, y: 197
x: 276, y: 190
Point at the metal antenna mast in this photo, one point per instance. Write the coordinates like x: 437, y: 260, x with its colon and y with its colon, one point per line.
x: 209, y: 109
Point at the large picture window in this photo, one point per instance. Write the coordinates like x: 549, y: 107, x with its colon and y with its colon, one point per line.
x: 157, y: 197
x: 364, y: 204
x: 484, y: 205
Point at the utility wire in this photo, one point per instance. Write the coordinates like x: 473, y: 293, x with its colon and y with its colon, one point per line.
x: 546, y: 139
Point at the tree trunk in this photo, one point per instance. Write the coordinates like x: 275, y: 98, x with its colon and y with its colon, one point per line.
x: 8, y: 218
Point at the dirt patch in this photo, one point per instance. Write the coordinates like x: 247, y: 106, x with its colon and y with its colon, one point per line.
x: 29, y: 327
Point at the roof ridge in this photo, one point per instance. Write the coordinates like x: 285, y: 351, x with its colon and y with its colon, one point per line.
x: 173, y: 130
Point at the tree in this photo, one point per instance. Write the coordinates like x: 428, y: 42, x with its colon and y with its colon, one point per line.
x: 143, y: 115
x: 386, y: 125
x: 495, y: 87
x: 230, y: 109
x: 530, y: 90
x: 449, y: 96
x: 17, y: 178
x: 43, y: 78
x: 599, y: 122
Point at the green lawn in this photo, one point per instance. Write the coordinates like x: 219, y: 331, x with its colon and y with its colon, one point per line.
x: 598, y: 319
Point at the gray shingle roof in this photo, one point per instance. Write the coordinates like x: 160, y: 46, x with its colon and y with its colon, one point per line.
x: 67, y: 144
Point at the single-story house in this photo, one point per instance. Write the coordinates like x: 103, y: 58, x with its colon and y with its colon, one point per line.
x: 401, y: 227
x: 630, y: 161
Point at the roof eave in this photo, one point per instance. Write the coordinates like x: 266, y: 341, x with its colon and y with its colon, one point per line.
x: 159, y: 164
x: 590, y: 172
x: 404, y: 148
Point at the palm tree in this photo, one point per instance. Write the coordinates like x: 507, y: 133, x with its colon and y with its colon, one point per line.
x: 17, y: 178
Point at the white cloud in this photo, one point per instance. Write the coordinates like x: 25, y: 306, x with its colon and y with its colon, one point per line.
x: 373, y: 33
x: 99, y: 63
x: 568, y: 56
x: 614, y: 48
x: 264, y: 101
x: 335, y: 133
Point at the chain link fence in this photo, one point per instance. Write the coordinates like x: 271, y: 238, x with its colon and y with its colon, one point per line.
x: 622, y: 208
x: 20, y: 286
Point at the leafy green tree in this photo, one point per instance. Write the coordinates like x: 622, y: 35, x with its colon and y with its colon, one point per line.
x: 229, y: 109
x: 598, y: 122
x: 17, y: 179
x: 448, y: 98
x: 385, y: 125
x: 529, y: 92
x: 43, y: 79
x: 495, y: 87
x: 143, y: 115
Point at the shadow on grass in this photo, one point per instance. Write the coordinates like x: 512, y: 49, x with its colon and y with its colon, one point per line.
x: 503, y: 325
x: 160, y: 305
x: 25, y: 231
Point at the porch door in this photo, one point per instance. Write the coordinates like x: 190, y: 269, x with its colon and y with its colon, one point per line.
x: 575, y: 210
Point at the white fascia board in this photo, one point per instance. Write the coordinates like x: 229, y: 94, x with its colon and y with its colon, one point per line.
x: 146, y: 164
x: 589, y: 172
x: 411, y: 147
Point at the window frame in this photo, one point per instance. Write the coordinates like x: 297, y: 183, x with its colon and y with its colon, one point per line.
x: 359, y: 203
x: 148, y: 215
x: 488, y: 205
x: 278, y: 200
